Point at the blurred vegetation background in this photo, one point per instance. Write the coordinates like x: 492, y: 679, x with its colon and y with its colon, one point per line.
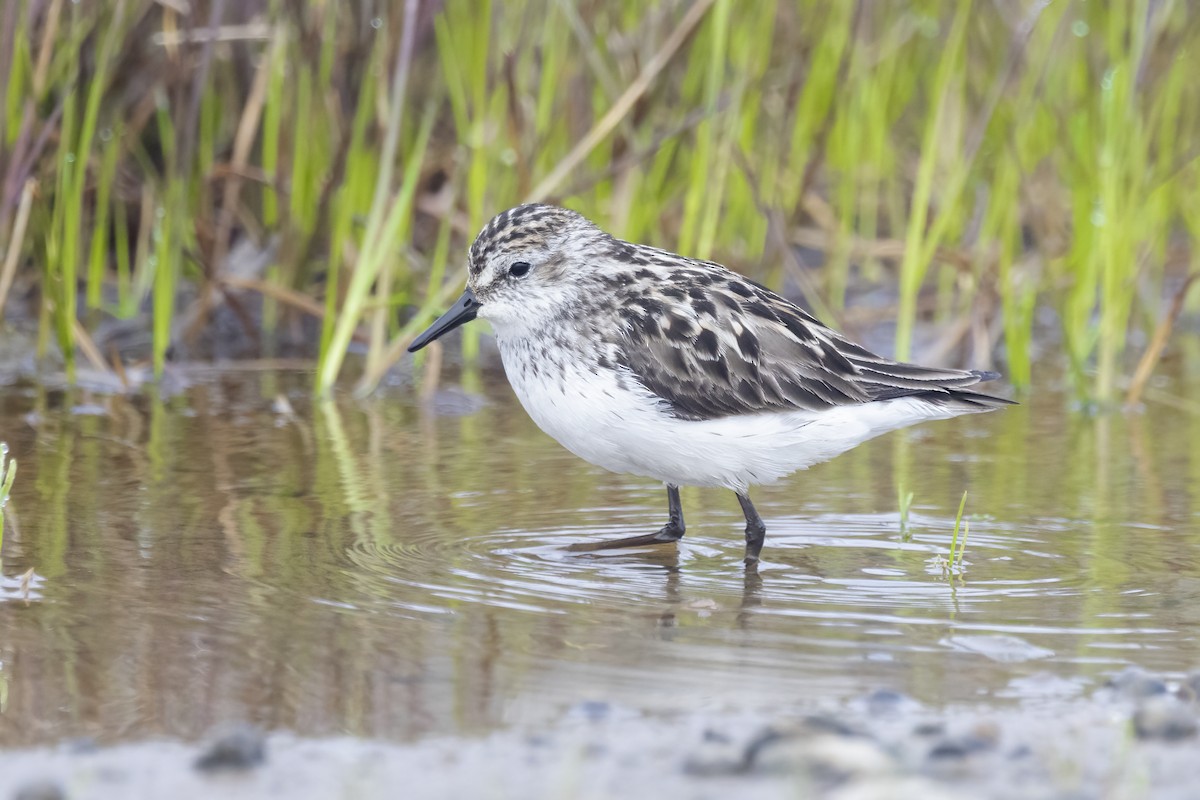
x: 1010, y: 181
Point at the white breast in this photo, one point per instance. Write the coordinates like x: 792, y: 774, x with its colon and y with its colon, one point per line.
x: 592, y: 413
x: 607, y: 418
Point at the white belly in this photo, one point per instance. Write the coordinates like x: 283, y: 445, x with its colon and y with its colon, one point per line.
x: 612, y: 421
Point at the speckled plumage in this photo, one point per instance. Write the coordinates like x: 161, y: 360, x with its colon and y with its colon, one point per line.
x: 643, y: 361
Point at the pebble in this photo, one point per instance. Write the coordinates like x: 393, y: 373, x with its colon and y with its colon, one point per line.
x: 237, y: 747
x: 40, y: 790
x: 981, y: 738
x: 929, y: 728
x: 823, y: 747
x: 828, y: 759
x: 956, y: 747
x: 1164, y: 718
x: 1191, y: 686
x: 1135, y: 683
x: 822, y: 723
x: 886, y: 702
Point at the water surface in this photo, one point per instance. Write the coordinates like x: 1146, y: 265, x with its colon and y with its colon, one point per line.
x: 394, y: 569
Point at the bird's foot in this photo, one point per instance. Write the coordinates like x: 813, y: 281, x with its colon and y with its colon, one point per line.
x: 666, y: 535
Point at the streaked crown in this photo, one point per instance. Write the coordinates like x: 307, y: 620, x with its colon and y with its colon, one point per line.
x: 533, y: 226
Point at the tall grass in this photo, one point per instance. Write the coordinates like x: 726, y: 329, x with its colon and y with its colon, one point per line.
x: 982, y: 161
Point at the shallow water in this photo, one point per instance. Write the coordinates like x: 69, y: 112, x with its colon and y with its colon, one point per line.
x: 392, y: 569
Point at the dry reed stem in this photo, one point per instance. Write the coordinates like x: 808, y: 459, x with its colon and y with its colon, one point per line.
x: 1158, y: 343
x: 284, y: 295
x: 242, y: 144
x: 141, y: 252
x: 88, y: 347
x: 623, y: 105
x: 48, y: 36
x: 396, y: 349
x: 252, y: 32
x: 14, y: 245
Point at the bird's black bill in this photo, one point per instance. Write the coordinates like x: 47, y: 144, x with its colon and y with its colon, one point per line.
x: 463, y: 311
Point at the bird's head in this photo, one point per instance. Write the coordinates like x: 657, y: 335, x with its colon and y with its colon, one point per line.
x: 527, y: 263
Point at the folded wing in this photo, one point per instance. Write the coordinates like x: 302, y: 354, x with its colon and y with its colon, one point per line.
x: 725, y: 346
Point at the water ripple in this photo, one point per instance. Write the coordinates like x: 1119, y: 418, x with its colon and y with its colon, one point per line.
x: 832, y: 580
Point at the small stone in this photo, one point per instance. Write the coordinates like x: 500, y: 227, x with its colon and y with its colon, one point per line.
x: 883, y: 702
x: 40, y: 790
x: 982, y: 737
x: 238, y: 747
x: 827, y: 723
x: 929, y: 728
x: 805, y: 727
x: 1190, y: 690
x: 1135, y: 683
x: 953, y: 747
x: 1164, y: 718
x: 828, y: 757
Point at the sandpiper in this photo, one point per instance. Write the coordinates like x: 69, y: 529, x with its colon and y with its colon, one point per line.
x: 646, y: 362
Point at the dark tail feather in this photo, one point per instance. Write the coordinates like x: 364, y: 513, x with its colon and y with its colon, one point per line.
x: 968, y: 400
x: 985, y: 402
x: 965, y: 400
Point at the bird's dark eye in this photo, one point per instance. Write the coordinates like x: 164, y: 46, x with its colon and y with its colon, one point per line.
x: 519, y: 268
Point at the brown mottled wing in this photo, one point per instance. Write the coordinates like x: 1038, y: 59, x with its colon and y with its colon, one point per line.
x: 712, y: 344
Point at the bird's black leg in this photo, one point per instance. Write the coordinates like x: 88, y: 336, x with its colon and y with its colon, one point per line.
x: 756, y: 531
x: 671, y: 532
x: 674, y: 529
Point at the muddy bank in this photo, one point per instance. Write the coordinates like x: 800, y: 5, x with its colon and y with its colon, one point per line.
x: 1135, y: 740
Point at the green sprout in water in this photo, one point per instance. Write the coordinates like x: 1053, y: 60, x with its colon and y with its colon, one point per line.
x: 954, y: 565
x: 8, y: 473
x: 905, y: 500
x: 957, y: 545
